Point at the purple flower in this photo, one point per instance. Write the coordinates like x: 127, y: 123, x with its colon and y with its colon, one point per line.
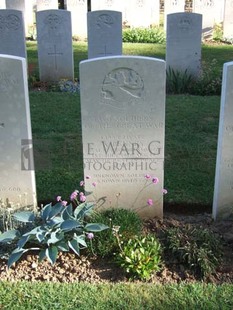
x: 94, y: 184
x: 58, y: 198
x: 90, y: 236
x: 155, y: 180
x: 164, y: 191
x: 64, y: 203
x: 150, y: 202
x: 73, y: 195
x: 82, y: 198
x: 147, y: 176
x: 82, y: 183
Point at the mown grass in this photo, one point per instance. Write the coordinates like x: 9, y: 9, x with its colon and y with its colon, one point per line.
x: 117, y: 296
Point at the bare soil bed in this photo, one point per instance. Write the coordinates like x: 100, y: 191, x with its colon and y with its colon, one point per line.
x: 71, y: 268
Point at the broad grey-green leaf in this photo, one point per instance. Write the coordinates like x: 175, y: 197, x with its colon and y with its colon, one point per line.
x: 42, y: 255
x: 23, y: 240
x: 67, y: 212
x: 51, y: 253
x: 24, y: 216
x: 73, y: 244
x: 62, y: 245
x: 45, y: 211
x: 95, y: 227
x: 80, y: 239
x: 15, y: 255
x: 55, y: 210
x: 69, y: 224
x: 9, y: 235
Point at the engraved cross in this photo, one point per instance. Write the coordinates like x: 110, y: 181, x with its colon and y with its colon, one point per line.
x: 105, y: 53
x: 55, y: 54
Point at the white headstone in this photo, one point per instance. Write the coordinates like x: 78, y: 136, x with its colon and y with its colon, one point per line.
x: 26, y: 6
x: 111, y: 5
x: 12, y: 35
x: 140, y: 13
x: 104, y: 33
x: 17, y: 178
x: 2, y: 4
x: 78, y: 9
x: 183, y: 43
x: 46, y: 5
x: 172, y: 6
x: 55, y: 51
x: 211, y: 10
x: 123, y: 120
x: 228, y: 20
x: 223, y: 194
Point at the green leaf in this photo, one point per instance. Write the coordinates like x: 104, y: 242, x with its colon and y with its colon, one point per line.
x: 80, y: 239
x: 62, y: 245
x: 54, y: 237
x: 15, y: 255
x: 42, y: 255
x: 73, y: 244
x: 24, y: 216
x: 56, y: 209
x: 51, y: 253
x: 69, y: 225
x: 22, y: 241
x: 95, y: 227
x: 45, y: 211
x: 9, y: 235
x: 68, y: 212
x: 83, y: 209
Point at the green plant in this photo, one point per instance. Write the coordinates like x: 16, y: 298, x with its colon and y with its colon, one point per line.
x: 140, y: 256
x: 197, y: 248
x: 144, y: 35
x: 218, y: 32
x: 129, y: 223
x: 60, y: 228
x: 178, y: 82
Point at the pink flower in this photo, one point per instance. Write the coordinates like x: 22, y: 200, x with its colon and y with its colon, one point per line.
x: 90, y: 236
x: 88, y: 177
x: 73, y: 195
x: 94, y: 184
x: 147, y: 176
x: 82, y: 183
x: 58, y: 198
x: 64, y: 203
x: 155, y: 180
x: 81, y: 194
x: 164, y: 191
x: 150, y: 202
x: 82, y: 198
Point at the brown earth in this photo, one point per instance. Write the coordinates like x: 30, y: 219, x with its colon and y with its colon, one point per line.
x: 71, y: 268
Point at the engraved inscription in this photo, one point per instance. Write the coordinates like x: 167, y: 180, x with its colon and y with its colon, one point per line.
x: 174, y: 2
x: 108, y: 2
x: 140, y: 3
x: 7, y: 82
x: 76, y: 2
x: 184, y: 23
x: 122, y: 86
x: 104, y: 20
x: 55, y: 53
x: 10, y: 22
x: 53, y: 21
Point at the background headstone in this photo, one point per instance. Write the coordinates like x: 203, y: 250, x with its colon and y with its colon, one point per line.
x: 140, y: 13
x: 26, y: 6
x: 228, y: 19
x: 111, y: 5
x: 172, y: 6
x: 55, y: 51
x: 17, y: 178
x: 12, y: 35
x: 78, y: 9
x: 2, y: 4
x: 183, y: 43
x: 223, y: 188
x: 104, y: 33
x: 123, y: 115
x: 46, y: 5
x: 211, y: 10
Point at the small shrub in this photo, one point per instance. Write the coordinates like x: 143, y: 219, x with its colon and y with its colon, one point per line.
x: 178, y: 82
x: 140, y: 257
x: 144, y: 35
x: 105, y: 244
x: 196, y: 248
x: 56, y: 228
